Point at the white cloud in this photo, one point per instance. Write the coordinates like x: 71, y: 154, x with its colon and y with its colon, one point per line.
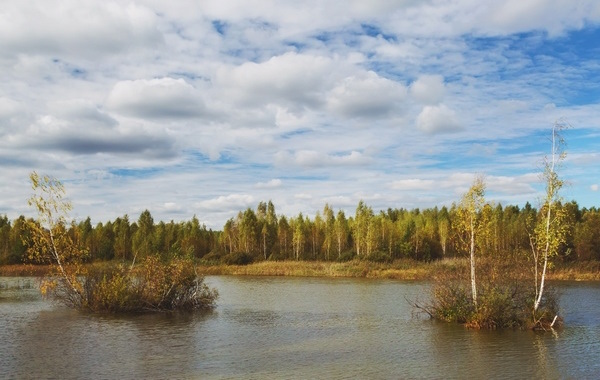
x: 555, y: 16
x: 518, y: 185
x: 293, y: 80
x: 459, y: 182
x: 428, y: 89
x: 155, y: 98
x: 229, y: 202
x: 339, y: 201
x: 272, y: 184
x: 438, y: 119
x: 172, y: 207
x: 413, y: 184
x: 313, y: 158
x: 370, y: 96
x: 8, y: 107
x: 75, y: 28
x: 594, y: 187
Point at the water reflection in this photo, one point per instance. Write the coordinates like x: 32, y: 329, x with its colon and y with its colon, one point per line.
x: 292, y: 328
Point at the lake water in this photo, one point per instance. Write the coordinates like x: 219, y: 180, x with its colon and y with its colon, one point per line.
x: 286, y: 328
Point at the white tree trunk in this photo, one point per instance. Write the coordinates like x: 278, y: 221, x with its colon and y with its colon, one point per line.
x: 473, y: 282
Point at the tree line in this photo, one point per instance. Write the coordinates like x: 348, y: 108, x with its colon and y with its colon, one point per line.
x: 260, y: 234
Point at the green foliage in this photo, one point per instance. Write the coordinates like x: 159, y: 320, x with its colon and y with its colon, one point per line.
x: 424, y: 235
x: 587, y: 236
x: 346, y: 256
x: 452, y: 303
x: 503, y: 306
x: 108, y: 289
x: 471, y: 225
x: 212, y: 258
x: 379, y: 257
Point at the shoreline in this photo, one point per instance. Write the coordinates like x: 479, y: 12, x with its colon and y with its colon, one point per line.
x: 408, y: 270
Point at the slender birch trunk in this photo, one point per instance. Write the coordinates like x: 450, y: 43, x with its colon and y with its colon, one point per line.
x: 550, y: 234
x: 472, y: 249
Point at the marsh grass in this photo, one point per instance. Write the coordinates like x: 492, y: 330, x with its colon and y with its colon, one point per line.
x: 404, y: 269
x: 400, y: 269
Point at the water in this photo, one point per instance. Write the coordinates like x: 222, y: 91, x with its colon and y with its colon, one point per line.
x: 281, y: 327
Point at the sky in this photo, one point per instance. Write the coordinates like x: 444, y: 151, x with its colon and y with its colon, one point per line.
x: 208, y: 107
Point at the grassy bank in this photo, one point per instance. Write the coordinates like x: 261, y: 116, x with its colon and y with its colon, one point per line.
x: 407, y: 270
x: 399, y: 269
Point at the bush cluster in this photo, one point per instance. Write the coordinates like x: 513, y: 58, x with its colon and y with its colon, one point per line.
x: 151, y: 286
x: 505, y: 299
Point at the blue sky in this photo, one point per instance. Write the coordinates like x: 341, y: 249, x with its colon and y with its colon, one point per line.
x: 208, y: 107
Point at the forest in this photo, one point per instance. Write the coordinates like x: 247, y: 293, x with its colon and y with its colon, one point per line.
x: 260, y: 234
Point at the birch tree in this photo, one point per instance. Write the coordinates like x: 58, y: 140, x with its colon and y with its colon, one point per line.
x: 341, y: 232
x: 550, y: 229
x: 50, y: 238
x: 329, y: 220
x: 361, y: 224
x: 469, y: 213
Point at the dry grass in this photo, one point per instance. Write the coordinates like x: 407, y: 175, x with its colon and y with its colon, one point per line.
x: 580, y: 271
x: 23, y: 270
x: 401, y: 270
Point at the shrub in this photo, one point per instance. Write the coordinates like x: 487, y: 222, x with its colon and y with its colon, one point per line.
x: 211, y: 258
x: 171, y: 286
x: 379, y: 257
x: 237, y: 258
x: 151, y: 286
x: 346, y: 256
x: 505, y: 298
x: 452, y: 303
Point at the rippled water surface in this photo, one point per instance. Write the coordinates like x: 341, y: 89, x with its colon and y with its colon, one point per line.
x: 272, y: 327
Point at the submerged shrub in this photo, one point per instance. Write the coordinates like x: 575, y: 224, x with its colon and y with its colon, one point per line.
x: 151, y: 286
x: 505, y: 299
x: 108, y: 289
x: 452, y: 303
x: 172, y: 286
